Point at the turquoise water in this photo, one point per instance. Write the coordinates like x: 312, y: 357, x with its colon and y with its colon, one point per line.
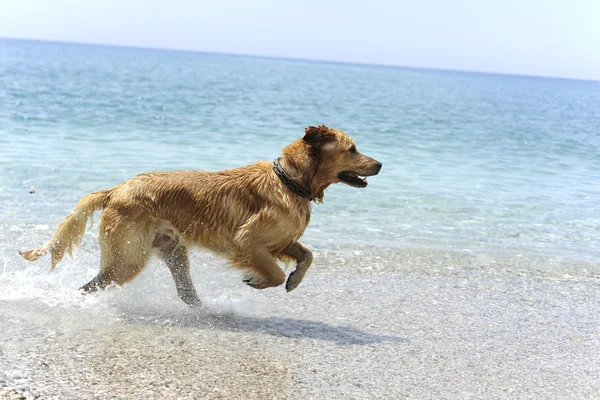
x: 471, y: 162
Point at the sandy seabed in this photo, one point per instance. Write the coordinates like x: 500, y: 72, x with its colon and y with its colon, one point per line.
x: 390, y: 324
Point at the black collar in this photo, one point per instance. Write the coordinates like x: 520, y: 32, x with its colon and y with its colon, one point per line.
x: 289, y: 181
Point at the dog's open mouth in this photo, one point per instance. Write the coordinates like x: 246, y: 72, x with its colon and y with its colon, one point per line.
x: 353, y: 179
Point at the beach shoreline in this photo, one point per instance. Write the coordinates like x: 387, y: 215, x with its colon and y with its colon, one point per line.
x: 452, y: 327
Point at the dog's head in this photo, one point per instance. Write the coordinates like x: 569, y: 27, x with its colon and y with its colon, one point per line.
x: 326, y: 156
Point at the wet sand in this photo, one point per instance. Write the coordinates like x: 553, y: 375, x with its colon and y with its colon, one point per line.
x: 412, y: 324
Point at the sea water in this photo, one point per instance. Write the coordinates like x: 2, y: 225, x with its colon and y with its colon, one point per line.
x: 472, y: 162
x: 488, y: 182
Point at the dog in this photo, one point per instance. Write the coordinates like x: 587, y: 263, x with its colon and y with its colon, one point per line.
x: 252, y: 216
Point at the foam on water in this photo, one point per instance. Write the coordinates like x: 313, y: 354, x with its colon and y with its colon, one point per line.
x: 151, y: 295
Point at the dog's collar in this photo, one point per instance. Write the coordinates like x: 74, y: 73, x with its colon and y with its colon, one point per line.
x: 289, y: 181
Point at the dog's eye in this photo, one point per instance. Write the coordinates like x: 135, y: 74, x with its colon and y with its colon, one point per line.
x: 352, y: 149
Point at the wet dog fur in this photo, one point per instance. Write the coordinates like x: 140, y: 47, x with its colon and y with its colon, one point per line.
x: 247, y: 215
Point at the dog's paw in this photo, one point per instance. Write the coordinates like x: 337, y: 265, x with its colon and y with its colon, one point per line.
x: 254, y: 281
x: 293, y: 280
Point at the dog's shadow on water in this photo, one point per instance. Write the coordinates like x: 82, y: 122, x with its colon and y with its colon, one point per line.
x: 203, y: 318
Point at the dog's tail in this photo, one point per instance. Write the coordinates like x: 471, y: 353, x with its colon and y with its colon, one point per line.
x: 70, y: 231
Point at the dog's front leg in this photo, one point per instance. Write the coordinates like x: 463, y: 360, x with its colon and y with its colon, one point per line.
x: 304, y: 258
x: 263, y: 271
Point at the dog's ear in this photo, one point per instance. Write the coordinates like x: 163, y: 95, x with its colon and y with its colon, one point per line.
x: 318, y: 135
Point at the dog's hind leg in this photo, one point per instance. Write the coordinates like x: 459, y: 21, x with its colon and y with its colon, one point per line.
x: 125, y: 245
x: 176, y: 257
x: 304, y: 257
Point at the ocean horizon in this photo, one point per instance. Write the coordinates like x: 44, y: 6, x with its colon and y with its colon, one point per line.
x: 292, y: 59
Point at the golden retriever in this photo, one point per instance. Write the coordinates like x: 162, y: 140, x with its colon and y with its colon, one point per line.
x: 251, y: 215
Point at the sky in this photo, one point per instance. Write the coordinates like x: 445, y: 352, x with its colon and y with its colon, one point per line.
x: 559, y: 38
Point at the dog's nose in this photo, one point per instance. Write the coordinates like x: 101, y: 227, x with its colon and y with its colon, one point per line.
x: 378, y: 166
